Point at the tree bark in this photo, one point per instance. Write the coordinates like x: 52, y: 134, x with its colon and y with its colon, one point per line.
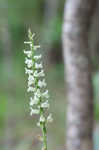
x: 77, y: 20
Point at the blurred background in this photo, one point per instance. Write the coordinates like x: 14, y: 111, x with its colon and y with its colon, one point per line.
x: 18, y: 131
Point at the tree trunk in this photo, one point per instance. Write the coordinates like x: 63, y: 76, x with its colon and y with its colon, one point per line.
x: 77, y: 20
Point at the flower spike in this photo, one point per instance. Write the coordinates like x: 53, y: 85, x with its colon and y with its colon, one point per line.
x: 39, y: 103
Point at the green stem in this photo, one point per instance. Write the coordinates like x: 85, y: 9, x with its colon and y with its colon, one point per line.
x: 44, y: 137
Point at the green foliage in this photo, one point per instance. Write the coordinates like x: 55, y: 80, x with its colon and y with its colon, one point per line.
x: 53, y: 31
x: 3, y: 109
x: 96, y: 95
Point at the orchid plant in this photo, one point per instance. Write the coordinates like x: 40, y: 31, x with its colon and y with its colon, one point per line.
x: 39, y: 103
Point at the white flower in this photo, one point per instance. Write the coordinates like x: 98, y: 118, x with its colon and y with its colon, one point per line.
x: 36, y: 74
x: 38, y: 66
x: 31, y: 101
x: 41, y: 74
x: 37, y: 57
x: 38, y: 93
x: 31, y: 45
x: 42, y: 83
x: 49, y: 118
x: 36, y: 47
x: 30, y: 89
x: 28, y: 62
x: 27, y: 42
x: 34, y: 101
x: 28, y: 53
x: 45, y: 104
x: 45, y: 94
x: 28, y: 71
x: 42, y: 118
x: 34, y: 111
x: 31, y: 80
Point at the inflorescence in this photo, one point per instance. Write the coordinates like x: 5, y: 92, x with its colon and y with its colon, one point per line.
x: 37, y: 86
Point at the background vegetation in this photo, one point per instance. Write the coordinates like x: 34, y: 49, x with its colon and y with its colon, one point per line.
x: 18, y: 130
